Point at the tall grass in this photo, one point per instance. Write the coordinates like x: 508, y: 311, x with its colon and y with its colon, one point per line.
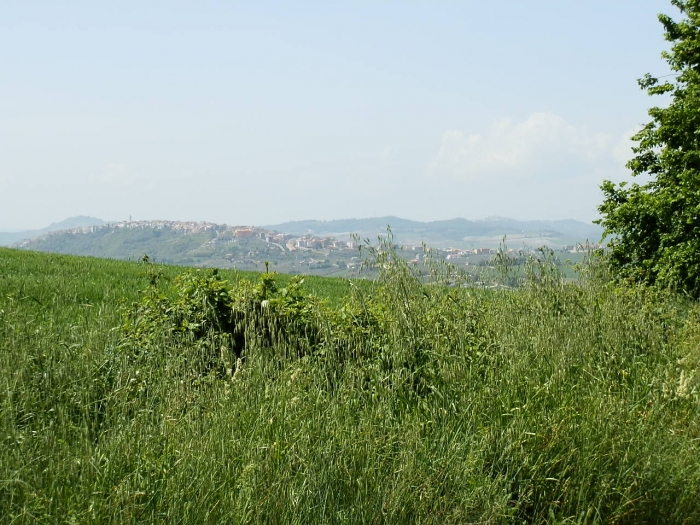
x: 410, y: 401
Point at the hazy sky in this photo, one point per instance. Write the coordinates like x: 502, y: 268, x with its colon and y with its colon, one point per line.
x: 261, y: 112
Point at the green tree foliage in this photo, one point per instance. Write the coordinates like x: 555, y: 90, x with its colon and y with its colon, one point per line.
x: 655, y: 227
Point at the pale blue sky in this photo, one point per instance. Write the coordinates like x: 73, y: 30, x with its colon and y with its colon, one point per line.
x: 261, y: 112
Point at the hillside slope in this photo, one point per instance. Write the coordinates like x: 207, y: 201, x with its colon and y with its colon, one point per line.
x: 202, y: 248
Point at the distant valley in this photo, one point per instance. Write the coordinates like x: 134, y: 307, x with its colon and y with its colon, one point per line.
x: 459, y: 233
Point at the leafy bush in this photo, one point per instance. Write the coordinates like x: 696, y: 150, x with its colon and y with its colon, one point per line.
x: 221, y: 319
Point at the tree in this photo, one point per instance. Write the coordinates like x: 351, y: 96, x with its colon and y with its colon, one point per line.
x: 655, y: 227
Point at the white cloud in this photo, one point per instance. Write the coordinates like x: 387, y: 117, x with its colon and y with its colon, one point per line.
x: 540, y: 167
x: 542, y: 146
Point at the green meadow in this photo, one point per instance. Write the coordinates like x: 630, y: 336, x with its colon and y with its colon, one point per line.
x: 131, y: 393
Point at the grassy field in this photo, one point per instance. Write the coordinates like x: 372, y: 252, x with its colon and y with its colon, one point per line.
x: 395, y: 401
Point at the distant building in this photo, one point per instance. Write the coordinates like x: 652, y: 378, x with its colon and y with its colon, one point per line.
x: 243, y: 233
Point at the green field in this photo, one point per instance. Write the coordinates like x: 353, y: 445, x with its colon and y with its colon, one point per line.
x: 392, y: 401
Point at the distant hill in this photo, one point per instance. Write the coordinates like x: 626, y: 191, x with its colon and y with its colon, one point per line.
x: 312, y: 247
x: 10, y: 238
x: 458, y: 232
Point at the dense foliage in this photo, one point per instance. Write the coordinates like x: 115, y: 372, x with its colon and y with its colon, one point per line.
x: 404, y: 402
x: 655, y: 227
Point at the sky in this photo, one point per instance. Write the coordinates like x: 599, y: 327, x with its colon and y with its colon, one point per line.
x: 263, y: 112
